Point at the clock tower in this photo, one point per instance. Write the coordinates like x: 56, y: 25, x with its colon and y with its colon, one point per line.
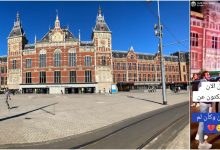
x: 16, y: 42
x: 102, y: 38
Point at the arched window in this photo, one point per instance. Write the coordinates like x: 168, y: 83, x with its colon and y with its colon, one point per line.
x: 72, y: 57
x: 42, y: 58
x: 57, y: 58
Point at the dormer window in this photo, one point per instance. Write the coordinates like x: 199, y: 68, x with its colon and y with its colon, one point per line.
x: 132, y: 56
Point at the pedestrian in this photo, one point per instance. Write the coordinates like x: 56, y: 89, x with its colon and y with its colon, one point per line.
x: 195, y: 80
x: 179, y: 88
x: 7, y: 94
x: 62, y: 92
x: 205, y: 107
x: 176, y: 89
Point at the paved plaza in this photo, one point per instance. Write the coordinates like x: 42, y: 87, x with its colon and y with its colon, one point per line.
x: 69, y: 115
x: 178, y: 142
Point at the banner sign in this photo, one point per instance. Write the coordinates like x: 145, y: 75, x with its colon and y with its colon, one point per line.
x: 207, y: 92
x: 211, y: 121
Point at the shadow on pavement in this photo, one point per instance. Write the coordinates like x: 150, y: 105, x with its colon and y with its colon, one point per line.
x: 14, y: 107
x: 48, y: 111
x: 22, y: 114
x: 145, y: 100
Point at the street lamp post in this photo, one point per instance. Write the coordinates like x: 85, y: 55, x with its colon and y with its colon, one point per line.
x: 158, y: 33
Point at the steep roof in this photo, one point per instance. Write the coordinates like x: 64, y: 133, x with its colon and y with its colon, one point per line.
x: 68, y: 35
x: 17, y: 29
x: 119, y: 54
x: 144, y: 56
x: 29, y: 46
x: 123, y: 54
x: 101, y: 25
x: 86, y: 43
x: 3, y: 59
x: 171, y: 58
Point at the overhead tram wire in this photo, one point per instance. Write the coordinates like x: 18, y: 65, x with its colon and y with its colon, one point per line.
x: 165, y: 27
x: 175, y: 43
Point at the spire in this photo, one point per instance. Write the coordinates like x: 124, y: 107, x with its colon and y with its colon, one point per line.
x: 100, y: 22
x: 17, y: 28
x: 79, y: 35
x: 100, y: 11
x: 57, y: 22
x: 35, y: 39
x: 17, y: 17
x: 57, y: 18
x: 131, y: 49
x: 17, y: 22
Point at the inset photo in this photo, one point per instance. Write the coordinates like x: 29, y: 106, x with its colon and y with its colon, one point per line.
x: 205, y: 74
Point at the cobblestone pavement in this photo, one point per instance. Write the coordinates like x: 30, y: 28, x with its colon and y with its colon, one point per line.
x: 181, y: 141
x: 74, y: 114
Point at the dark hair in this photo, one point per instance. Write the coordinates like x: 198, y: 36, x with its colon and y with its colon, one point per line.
x: 195, y: 75
x: 217, y: 79
x: 203, y: 74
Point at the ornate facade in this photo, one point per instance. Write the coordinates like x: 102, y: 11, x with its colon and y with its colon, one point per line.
x: 204, y: 33
x: 144, y: 69
x: 62, y: 62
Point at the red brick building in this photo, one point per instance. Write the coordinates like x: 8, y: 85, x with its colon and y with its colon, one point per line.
x: 144, y: 69
x: 3, y: 64
x: 61, y: 62
x: 204, y: 32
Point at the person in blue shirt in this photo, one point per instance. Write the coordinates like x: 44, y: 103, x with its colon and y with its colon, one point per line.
x: 205, y: 107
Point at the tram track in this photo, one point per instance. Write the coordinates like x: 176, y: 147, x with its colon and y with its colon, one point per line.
x: 132, y: 133
x: 141, y: 133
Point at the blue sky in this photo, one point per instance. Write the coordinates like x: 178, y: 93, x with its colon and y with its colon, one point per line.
x: 131, y: 23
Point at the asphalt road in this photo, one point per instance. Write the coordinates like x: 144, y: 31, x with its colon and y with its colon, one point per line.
x: 142, y: 132
x: 131, y: 133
